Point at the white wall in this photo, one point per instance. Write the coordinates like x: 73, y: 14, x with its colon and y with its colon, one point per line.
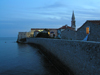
x: 23, y: 35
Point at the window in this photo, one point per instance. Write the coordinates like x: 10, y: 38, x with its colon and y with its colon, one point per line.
x: 49, y: 33
x: 87, y: 30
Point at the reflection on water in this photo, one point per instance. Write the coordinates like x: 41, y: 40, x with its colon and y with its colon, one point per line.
x: 23, y: 59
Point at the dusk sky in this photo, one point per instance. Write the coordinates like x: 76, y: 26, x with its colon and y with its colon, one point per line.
x: 22, y: 15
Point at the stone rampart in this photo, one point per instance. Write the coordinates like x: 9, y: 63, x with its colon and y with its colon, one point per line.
x: 83, y: 58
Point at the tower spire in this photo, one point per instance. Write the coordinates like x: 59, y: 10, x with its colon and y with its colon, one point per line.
x: 73, y: 21
x: 73, y: 17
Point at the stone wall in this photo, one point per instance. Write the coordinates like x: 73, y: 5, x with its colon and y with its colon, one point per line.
x: 68, y: 34
x: 80, y: 34
x: 94, y: 32
x: 83, y: 58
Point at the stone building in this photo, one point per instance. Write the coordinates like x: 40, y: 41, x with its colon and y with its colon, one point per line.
x: 90, y: 28
x: 23, y: 35
x: 89, y: 31
x: 68, y: 32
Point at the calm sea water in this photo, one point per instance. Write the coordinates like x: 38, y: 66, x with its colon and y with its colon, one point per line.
x: 23, y: 59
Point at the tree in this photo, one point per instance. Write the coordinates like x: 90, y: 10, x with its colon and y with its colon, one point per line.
x: 47, y: 30
x: 43, y: 35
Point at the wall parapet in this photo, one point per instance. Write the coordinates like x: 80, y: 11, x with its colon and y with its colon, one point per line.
x: 80, y: 56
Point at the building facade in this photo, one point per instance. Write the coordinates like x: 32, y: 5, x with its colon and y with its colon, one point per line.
x: 88, y: 31
x: 68, y: 32
x: 90, y: 28
x: 52, y: 31
x: 23, y: 35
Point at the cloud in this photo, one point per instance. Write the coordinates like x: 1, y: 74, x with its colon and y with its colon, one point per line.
x: 90, y: 13
x: 54, y: 5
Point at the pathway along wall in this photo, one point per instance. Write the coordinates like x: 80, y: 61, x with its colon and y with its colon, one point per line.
x: 83, y: 58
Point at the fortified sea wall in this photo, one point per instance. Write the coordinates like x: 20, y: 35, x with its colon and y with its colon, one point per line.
x: 83, y: 58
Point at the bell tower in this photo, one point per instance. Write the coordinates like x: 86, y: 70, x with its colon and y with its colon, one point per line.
x: 73, y: 21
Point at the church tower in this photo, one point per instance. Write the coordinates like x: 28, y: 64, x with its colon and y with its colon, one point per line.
x: 73, y: 21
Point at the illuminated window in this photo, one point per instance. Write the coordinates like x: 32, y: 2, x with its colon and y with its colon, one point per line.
x: 87, y: 30
x: 40, y: 30
x: 49, y: 33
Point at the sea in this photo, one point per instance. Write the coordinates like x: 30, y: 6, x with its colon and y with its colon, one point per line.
x: 23, y: 59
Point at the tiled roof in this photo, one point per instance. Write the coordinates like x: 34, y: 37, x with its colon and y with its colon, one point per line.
x: 94, y: 21
x: 65, y: 27
x: 71, y: 28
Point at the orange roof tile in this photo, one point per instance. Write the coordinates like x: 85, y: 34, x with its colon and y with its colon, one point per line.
x: 65, y: 27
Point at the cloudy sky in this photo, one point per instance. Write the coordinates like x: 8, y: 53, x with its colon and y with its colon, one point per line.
x: 22, y: 15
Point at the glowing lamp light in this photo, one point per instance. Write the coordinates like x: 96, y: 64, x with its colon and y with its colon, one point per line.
x: 49, y: 33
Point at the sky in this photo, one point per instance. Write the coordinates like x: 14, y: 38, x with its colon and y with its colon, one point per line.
x: 22, y: 15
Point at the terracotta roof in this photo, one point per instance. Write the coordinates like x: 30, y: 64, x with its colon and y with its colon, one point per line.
x: 94, y: 21
x: 71, y: 28
x: 65, y: 27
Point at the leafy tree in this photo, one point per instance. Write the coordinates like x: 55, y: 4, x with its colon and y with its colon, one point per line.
x: 43, y: 35
x: 47, y: 30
